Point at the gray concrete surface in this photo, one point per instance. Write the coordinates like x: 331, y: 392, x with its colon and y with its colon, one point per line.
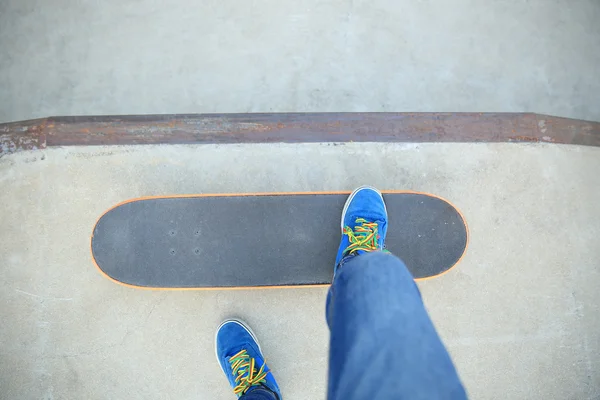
x: 65, y: 57
x: 520, y: 314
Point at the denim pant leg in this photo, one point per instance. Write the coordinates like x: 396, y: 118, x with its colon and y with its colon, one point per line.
x: 258, y: 393
x: 383, y: 344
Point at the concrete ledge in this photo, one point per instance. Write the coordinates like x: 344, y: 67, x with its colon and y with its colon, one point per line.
x: 295, y: 128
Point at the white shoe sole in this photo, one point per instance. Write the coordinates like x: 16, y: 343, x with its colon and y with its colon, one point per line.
x: 349, y: 200
x: 243, y: 325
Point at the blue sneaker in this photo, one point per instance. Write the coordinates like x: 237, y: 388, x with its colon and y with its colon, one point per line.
x: 241, y: 359
x: 364, y: 223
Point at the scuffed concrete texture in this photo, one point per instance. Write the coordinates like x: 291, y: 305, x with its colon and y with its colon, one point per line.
x: 520, y: 314
x: 68, y: 57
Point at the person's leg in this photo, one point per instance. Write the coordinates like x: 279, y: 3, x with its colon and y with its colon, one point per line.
x: 243, y: 363
x: 383, y: 344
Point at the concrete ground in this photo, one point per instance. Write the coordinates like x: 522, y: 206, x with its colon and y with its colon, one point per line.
x: 69, y: 57
x: 520, y: 314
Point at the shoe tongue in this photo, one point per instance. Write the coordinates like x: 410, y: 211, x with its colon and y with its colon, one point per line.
x: 257, y: 361
x: 242, y: 346
x: 235, y: 350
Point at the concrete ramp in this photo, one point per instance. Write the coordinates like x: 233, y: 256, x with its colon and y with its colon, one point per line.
x: 520, y: 314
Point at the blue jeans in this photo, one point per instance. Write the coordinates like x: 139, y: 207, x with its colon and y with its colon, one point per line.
x: 383, y: 344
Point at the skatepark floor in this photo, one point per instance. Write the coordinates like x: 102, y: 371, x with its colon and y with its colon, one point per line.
x: 520, y: 314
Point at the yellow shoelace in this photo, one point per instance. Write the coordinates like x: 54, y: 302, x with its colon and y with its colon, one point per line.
x: 244, y: 370
x: 363, y: 237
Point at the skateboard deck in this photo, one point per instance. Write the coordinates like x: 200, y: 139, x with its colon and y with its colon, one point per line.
x: 263, y: 239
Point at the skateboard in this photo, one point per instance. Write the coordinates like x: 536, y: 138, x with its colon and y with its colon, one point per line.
x: 262, y: 239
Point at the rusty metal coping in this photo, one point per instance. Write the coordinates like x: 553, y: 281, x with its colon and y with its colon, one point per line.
x: 295, y: 128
